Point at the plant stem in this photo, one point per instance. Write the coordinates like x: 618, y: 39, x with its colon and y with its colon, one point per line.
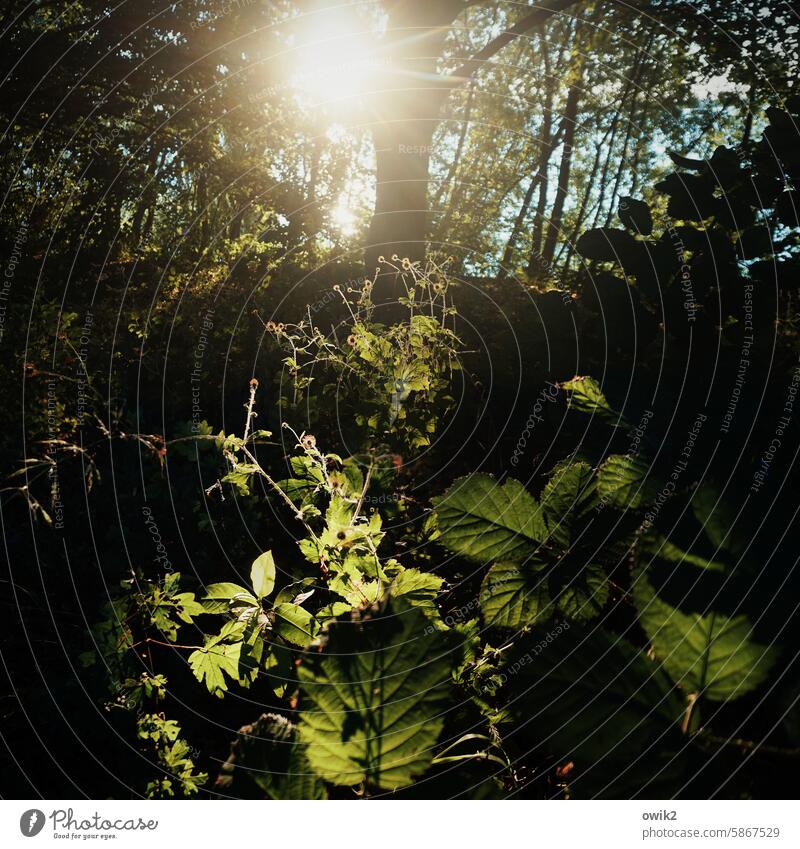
x: 692, y: 700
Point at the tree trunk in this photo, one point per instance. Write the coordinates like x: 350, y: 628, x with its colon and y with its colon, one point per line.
x: 407, y: 99
x: 406, y: 103
x: 748, y: 118
x: 545, y: 152
x: 569, y: 244
x: 235, y: 226
x: 570, y: 116
x: 146, y: 196
x: 643, y: 53
x: 508, y: 254
x: 444, y: 189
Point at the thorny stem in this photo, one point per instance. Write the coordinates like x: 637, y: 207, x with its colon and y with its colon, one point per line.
x: 250, y: 404
x: 364, y: 489
x: 260, y: 471
x: 750, y: 746
x: 258, y: 468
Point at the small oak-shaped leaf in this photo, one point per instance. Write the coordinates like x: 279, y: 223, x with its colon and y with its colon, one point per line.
x: 209, y: 664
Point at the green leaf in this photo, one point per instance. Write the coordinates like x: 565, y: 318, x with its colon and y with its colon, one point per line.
x: 297, y: 490
x: 296, y: 590
x: 209, y: 664
x: 375, y: 697
x: 626, y: 482
x: 294, y: 624
x: 268, y: 753
x: 587, y: 397
x: 356, y: 590
x: 514, y: 596
x: 580, y: 590
x: 705, y: 652
x: 279, y: 668
x: 332, y: 611
x: 724, y: 528
x: 567, y: 501
x: 262, y: 575
x: 484, y: 520
x: 419, y: 589
x: 663, y: 549
x: 590, y: 697
x: 188, y: 607
x: 239, y: 479
x: 219, y: 598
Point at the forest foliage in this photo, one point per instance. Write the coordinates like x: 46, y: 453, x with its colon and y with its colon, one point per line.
x: 511, y: 517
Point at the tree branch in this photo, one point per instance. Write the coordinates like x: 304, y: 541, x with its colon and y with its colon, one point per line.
x: 538, y: 16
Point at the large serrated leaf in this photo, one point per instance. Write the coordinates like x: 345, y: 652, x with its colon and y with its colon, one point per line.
x: 626, y: 482
x: 579, y: 593
x: 513, y: 596
x: 419, y: 589
x: 268, y: 753
x: 586, y: 695
x: 374, y: 699
x: 568, y: 501
x: 484, y: 520
x: 705, y: 652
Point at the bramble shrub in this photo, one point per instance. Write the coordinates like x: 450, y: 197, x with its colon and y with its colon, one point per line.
x: 585, y: 631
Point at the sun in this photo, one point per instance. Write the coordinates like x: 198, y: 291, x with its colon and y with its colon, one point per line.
x: 335, y: 67
x: 343, y: 218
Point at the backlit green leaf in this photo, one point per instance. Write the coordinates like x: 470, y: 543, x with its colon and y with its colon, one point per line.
x: 585, y: 396
x: 568, y: 501
x: 484, y: 520
x: 219, y: 598
x: 295, y: 624
x: 626, y: 482
x: 513, y: 596
x: 706, y: 652
x: 209, y: 664
x: 262, y: 575
x: 374, y: 699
